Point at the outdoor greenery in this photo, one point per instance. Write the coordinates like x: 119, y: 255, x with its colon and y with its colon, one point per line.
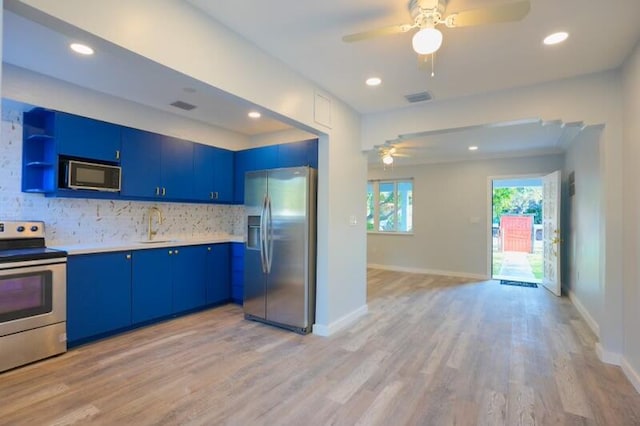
x: 394, y: 209
x: 521, y: 200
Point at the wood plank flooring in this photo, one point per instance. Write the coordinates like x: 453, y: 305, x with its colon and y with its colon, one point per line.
x: 432, y: 351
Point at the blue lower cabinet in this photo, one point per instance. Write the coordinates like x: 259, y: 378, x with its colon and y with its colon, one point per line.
x: 218, y: 273
x: 98, y: 294
x: 151, y: 284
x: 188, y: 268
x: 237, y: 272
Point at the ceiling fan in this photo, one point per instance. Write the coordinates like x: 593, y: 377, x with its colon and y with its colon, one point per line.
x: 427, y: 14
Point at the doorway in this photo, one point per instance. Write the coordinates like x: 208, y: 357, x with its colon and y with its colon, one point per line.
x: 517, y: 229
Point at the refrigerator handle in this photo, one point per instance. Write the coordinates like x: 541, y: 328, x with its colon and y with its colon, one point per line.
x: 269, y: 232
x: 263, y: 236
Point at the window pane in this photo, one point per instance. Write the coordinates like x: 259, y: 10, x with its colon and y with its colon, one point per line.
x: 370, y: 224
x: 387, y: 207
x: 405, y: 206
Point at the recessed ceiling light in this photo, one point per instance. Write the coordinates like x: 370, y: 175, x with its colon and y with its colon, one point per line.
x: 254, y: 115
x: 373, y: 81
x: 473, y: 148
x: 555, y: 38
x: 82, y: 49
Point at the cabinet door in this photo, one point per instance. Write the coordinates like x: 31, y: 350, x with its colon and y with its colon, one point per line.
x: 98, y: 294
x: 218, y: 273
x: 237, y: 272
x: 312, y: 153
x: 203, y: 170
x: 87, y: 138
x: 141, y: 162
x: 293, y: 154
x: 177, y: 168
x: 223, y: 174
x: 151, y: 291
x: 188, y: 277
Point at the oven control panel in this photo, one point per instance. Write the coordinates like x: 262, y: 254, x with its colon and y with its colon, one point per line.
x: 20, y: 229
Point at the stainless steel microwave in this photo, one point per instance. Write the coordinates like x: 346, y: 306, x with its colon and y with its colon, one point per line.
x: 84, y: 175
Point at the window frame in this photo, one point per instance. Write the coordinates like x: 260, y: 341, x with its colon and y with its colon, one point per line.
x: 375, y: 187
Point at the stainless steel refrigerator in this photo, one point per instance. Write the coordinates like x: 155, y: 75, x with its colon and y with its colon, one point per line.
x: 280, y: 249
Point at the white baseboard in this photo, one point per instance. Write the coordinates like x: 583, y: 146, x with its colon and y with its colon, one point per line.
x: 344, y: 322
x: 631, y: 374
x: 593, y: 325
x: 613, y: 358
x: 427, y: 271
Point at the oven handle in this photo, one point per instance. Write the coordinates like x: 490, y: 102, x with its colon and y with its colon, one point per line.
x: 27, y: 263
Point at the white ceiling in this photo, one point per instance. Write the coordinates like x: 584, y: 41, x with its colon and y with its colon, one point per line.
x: 522, y: 138
x: 306, y: 35
x: 121, y: 73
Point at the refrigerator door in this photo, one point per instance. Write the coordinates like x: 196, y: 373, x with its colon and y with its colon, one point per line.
x: 290, y: 238
x: 255, y: 256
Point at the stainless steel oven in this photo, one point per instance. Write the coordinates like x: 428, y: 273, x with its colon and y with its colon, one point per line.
x: 33, y: 282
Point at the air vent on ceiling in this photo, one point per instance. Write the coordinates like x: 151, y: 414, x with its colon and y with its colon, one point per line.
x: 418, y: 97
x: 183, y: 105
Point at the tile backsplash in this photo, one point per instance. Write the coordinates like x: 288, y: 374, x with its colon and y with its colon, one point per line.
x: 72, y: 221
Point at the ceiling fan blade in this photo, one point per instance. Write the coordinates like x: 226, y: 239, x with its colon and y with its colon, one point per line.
x: 489, y: 15
x: 390, y: 30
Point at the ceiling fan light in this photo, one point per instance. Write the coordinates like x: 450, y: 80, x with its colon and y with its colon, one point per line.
x: 387, y: 159
x: 427, y: 41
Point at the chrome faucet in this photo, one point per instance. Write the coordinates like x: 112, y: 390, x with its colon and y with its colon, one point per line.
x: 154, y: 209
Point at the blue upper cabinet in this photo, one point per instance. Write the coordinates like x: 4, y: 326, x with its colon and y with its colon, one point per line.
x: 141, y: 162
x: 156, y: 166
x: 304, y: 153
x: 213, y: 174
x: 84, y: 137
x: 177, y: 169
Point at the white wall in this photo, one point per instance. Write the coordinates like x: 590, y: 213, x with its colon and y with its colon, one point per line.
x: 631, y: 90
x: 451, y: 204
x: 581, y: 216
x: 211, y: 53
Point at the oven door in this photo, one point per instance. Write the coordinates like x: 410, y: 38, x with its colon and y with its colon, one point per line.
x: 32, y: 294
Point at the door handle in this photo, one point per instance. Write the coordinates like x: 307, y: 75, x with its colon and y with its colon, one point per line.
x: 269, y: 233
x: 263, y: 236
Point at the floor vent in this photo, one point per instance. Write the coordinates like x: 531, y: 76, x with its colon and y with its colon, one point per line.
x: 518, y: 283
x: 183, y: 105
x: 418, y: 97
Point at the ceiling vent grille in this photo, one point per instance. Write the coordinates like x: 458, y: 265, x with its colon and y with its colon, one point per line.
x: 418, y: 97
x: 183, y: 105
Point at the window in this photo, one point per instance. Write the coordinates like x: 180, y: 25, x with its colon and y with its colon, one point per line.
x: 390, y: 206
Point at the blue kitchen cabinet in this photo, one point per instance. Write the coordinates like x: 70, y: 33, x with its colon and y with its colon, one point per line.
x: 151, y: 284
x: 176, y: 168
x: 218, y: 273
x: 213, y: 174
x: 237, y: 272
x: 141, y: 163
x: 156, y: 166
x: 296, y: 154
x: 84, y: 137
x: 98, y: 294
x: 188, y: 276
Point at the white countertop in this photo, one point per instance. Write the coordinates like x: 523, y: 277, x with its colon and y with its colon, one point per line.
x: 104, y: 247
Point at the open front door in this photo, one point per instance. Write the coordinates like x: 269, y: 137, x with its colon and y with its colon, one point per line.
x: 551, y: 226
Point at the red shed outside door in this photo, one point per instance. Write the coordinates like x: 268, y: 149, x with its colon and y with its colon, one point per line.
x: 517, y: 233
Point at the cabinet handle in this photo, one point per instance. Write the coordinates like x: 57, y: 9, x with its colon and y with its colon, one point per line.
x: 214, y: 195
x: 117, y: 154
x: 164, y: 191
x: 208, y: 248
x: 157, y: 190
x: 128, y: 256
x: 176, y: 251
x: 170, y: 252
x: 211, y: 195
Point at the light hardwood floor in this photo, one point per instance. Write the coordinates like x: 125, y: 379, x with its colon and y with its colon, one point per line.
x: 432, y: 351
